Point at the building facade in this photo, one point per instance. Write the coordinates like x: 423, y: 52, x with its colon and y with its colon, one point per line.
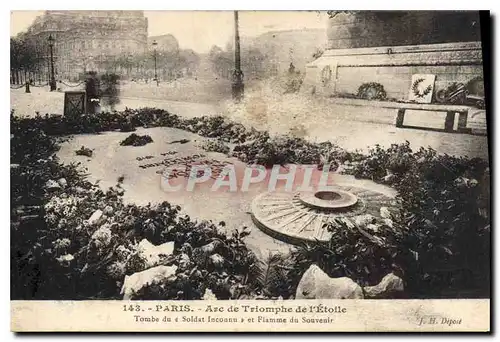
x: 389, y: 47
x: 87, y: 40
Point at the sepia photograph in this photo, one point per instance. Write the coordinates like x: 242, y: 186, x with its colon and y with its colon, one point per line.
x: 274, y: 158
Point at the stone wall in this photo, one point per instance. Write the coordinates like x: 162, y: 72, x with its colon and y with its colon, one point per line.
x: 392, y: 28
x: 393, y: 67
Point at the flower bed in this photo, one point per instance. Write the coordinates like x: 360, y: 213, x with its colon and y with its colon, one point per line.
x: 444, y: 214
x: 269, y: 151
x: 439, y: 241
x: 126, y: 121
x: 71, y: 240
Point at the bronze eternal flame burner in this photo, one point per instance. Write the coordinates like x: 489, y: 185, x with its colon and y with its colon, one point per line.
x: 297, y: 217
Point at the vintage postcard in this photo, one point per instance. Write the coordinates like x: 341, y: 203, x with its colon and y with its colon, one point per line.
x: 286, y: 171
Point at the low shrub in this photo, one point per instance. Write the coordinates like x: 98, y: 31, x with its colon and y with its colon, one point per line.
x: 128, y: 120
x: 216, y: 146
x: 269, y: 151
x: 58, y: 254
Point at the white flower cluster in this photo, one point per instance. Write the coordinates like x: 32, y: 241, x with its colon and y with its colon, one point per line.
x: 61, y: 244
x: 66, y: 259
x: 61, y: 206
x: 466, y: 182
x: 209, y: 295
x: 123, y: 253
x: 102, y: 237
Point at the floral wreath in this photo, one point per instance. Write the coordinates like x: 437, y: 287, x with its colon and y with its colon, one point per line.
x: 326, y: 74
x: 416, y: 90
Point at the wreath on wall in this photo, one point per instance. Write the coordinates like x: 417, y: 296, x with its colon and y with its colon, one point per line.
x: 475, y: 86
x: 420, y: 93
x: 372, y: 91
x: 326, y: 75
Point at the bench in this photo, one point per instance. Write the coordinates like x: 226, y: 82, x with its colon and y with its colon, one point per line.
x: 450, y: 110
x: 402, y: 107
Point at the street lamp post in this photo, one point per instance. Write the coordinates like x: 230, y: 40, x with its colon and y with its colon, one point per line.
x: 237, y: 86
x: 130, y: 60
x: 154, y: 54
x: 91, y: 65
x: 52, y: 82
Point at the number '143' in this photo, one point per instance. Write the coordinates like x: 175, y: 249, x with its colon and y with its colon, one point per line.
x: 131, y: 307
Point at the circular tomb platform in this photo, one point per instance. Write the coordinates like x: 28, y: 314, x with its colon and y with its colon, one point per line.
x: 298, y: 217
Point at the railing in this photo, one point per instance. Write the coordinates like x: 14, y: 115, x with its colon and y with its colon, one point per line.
x: 72, y: 85
x: 40, y: 85
x: 12, y: 86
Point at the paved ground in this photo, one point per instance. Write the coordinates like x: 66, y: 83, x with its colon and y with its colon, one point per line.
x: 43, y: 101
x: 211, y: 90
